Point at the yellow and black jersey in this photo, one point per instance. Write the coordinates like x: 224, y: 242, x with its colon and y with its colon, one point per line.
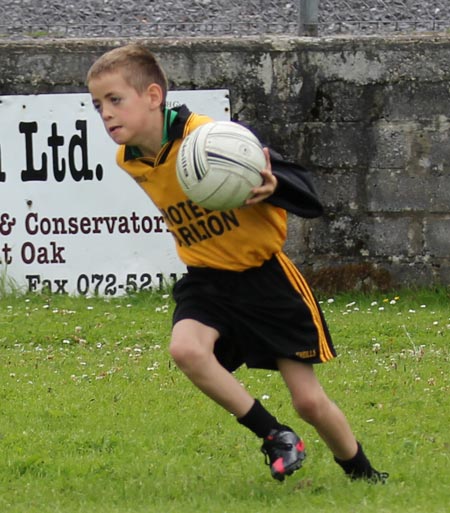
x: 234, y: 240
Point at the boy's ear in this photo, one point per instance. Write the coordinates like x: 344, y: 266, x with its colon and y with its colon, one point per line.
x: 155, y: 95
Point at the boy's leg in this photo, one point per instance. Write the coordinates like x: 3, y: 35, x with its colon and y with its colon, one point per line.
x: 315, y: 407
x: 192, y: 348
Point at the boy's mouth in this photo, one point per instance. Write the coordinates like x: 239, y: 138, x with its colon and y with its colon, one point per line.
x: 114, y: 129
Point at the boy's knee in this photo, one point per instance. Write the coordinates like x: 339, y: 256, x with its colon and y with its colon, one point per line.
x: 179, y: 350
x: 309, y: 407
x: 186, y: 353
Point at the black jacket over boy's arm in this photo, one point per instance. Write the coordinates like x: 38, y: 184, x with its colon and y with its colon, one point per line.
x: 295, y: 191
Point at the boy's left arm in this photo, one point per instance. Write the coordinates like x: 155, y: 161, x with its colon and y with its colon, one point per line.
x: 287, y: 185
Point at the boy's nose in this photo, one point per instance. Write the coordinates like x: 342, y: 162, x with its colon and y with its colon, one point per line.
x: 106, y: 114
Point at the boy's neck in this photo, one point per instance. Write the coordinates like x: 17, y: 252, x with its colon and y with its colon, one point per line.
x: 168, y: 116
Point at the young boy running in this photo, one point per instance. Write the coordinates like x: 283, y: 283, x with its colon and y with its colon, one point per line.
x: 242, y: 300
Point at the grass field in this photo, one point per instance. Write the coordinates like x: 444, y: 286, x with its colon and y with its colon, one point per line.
x: 94, y: 417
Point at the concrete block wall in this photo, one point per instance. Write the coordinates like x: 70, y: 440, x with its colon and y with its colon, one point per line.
x: 381, y: 113
x: 368, y: 116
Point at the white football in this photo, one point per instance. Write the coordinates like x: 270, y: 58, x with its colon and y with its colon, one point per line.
x: 219, y: 163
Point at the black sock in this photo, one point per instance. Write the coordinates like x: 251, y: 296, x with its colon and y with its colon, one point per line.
x: 259, y: 420
x: 358, y: 466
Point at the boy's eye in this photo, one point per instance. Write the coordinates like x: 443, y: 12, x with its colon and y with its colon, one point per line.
x: 115, y: 100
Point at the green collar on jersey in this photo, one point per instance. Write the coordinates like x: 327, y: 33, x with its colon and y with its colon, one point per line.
x: 174, y: 122
x: 169, y: 118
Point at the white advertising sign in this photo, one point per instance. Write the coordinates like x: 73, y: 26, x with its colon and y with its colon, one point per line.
x: 71, y: 221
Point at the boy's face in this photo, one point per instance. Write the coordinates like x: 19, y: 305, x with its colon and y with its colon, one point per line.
x: 129, y: 117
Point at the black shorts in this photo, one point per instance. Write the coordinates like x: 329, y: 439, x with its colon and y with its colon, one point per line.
x: 262, y: 314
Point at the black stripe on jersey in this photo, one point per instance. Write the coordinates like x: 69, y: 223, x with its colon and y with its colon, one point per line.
x: 220, y: 158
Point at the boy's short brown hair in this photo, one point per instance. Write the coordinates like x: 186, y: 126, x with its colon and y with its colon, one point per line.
x: 138, y: 65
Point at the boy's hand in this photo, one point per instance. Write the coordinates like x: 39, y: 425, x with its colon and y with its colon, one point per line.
x: 269, y: 183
